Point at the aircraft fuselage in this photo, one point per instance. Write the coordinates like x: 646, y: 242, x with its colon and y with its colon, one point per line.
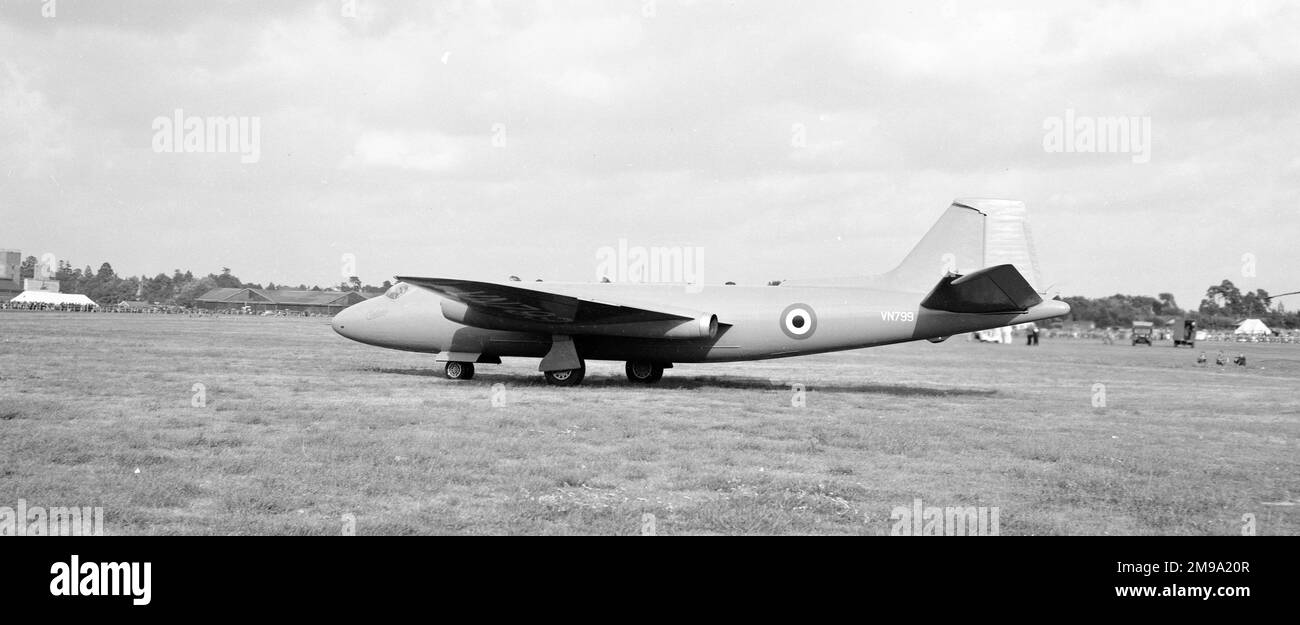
x: 755, y: 322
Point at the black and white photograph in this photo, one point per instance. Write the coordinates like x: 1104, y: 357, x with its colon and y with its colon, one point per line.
x: 342, y: 268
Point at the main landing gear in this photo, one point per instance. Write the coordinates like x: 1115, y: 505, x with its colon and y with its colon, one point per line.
x: 460, y: 370
x: 567, y: 377
x: 644, y: 371
x: 638, y: 372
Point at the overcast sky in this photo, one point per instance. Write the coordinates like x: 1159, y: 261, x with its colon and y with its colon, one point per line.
x: 786, y: 139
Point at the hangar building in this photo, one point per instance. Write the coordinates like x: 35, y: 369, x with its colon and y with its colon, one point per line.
x: 259, y: 300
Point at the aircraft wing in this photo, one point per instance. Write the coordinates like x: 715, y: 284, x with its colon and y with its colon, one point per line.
x: 530, y: 307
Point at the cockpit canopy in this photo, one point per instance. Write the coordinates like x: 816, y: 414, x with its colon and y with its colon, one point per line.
x: 397, y: 290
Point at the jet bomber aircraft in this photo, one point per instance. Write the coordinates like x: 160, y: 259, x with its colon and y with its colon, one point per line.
x: 965, y: 275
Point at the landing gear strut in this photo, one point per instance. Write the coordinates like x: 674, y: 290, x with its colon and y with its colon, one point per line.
x: 566, y: 377
x: 460, y: 370
x: 643, y: 371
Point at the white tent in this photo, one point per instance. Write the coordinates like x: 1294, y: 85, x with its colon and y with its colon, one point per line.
x: 995, y: 335
x: 52, y: 299
x: 1252, y: 326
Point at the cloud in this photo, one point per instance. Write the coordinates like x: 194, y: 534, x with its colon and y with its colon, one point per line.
x: 425, y: 152
x: 33, y: 134
x: 676, y: 123
x: 585, y: 85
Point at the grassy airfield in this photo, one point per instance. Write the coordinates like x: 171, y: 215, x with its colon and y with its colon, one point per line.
x: 299, y: 431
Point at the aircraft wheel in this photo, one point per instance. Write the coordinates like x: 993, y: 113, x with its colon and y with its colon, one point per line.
x: 565, y: 377
x: 460, y: 370
x: 643, y: 372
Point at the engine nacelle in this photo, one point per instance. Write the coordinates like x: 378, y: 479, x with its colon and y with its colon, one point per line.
x: 702, y: 327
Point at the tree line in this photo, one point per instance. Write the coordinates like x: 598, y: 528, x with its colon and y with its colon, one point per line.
x: 1223, y: 307
x: 107, y: 288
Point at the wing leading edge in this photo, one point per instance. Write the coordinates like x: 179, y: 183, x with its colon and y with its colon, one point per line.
x: 507, y: 307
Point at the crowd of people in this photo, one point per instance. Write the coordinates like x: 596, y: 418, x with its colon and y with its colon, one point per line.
x: 48, y: 307
x: 157, y: 310
x: 1123, y: 335
x: 269, y: 313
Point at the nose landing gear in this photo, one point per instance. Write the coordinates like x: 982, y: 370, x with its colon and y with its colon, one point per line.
x: 460, y: 370
x: 643, y: 371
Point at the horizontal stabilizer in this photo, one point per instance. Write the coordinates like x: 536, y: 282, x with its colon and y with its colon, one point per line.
x: 998, y: 289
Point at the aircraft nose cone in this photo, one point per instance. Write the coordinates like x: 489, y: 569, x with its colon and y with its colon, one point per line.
x: 346, y: 317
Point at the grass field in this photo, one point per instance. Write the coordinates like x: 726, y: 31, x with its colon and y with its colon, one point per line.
x: 299, y: 431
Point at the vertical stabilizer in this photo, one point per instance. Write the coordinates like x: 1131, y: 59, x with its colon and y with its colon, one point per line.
x: 954, y: 244
x: 1007, y: 240
x: 972, y: 234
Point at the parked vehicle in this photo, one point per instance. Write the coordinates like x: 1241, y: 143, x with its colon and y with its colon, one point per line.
x: 1184, y: 332
x: 1142, y: 332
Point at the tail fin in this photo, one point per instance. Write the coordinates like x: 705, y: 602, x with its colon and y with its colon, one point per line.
x: 973, y: 234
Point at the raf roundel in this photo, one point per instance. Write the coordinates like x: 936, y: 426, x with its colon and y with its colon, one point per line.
x: 798, y: 321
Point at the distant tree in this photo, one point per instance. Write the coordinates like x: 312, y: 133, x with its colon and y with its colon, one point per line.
x: 103, y: 286
x: 193, y: 289
x: 28, y: 268
x: 158, y: 289
x: 1222, y: 299
x: 67, y: 277
x: 1166, y: 305
x: 124, y: 290
x: 1255, y: 304
x: 226, y: 279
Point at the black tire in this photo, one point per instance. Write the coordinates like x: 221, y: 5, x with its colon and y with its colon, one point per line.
x: 460, y: 370
x: 643, y: 372
x: 566, y: 377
